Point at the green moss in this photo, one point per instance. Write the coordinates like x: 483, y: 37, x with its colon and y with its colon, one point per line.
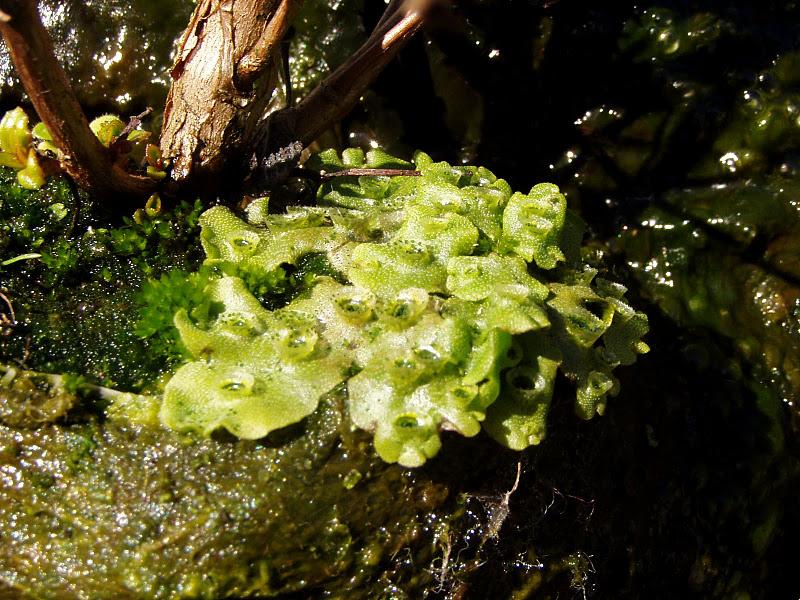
x: 76, y: 295
x: 159, y: 300
x: 29, y: 219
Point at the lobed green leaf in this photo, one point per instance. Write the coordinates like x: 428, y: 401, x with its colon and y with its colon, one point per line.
x: 439, y: 302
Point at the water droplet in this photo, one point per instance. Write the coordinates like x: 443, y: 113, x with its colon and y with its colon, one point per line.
x: 239, y: 383
x: 427, y: 353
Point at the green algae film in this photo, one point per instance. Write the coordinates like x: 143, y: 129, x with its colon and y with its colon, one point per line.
x: 107, y: 511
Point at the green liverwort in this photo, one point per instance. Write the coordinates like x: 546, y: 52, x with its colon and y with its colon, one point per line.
x: 447, y: 302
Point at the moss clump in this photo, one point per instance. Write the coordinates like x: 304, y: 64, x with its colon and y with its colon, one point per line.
x: 73, y: 281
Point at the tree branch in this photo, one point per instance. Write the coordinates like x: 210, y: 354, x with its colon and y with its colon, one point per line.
x: 391, y: 10
x: 370, y: 173
x: 223, y: 79
x: 341, y: 90
x: 85, y: 158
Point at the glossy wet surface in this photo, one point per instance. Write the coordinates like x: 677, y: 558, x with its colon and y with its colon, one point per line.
x: 673, y: 127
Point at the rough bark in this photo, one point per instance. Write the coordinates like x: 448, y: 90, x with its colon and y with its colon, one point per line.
x: 223, y: 79
x: 85, y: 159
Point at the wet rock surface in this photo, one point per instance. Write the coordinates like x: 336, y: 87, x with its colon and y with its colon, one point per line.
x: 117, y: 54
